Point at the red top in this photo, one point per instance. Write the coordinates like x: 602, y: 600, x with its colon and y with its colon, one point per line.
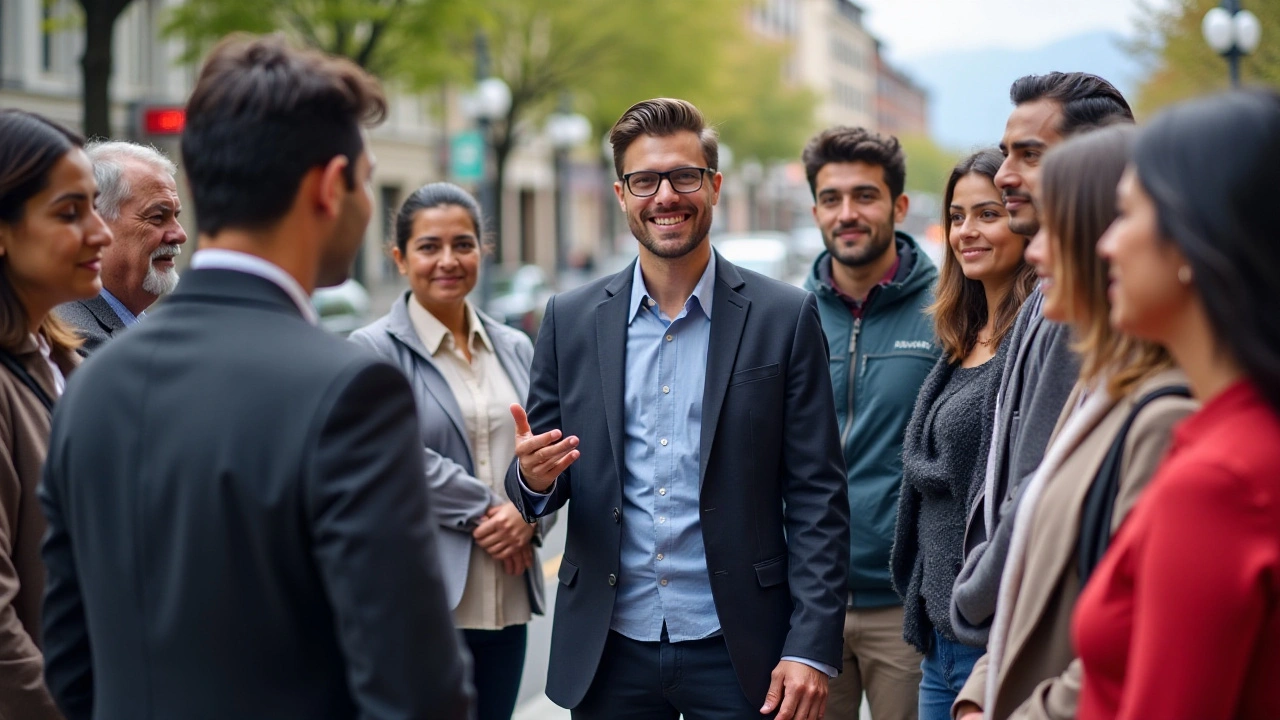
x: 1182, y: 617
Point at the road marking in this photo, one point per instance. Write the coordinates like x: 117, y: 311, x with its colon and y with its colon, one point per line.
x: 551, y: 566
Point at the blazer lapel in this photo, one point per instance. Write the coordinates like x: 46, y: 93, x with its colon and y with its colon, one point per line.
x: 400, y: 328
x: 102, y: 312
x: 1045, y: 568
x: 728, y: 318
x: 611, y: 350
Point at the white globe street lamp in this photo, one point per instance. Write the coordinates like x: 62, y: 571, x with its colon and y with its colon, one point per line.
x: 1232, y: 33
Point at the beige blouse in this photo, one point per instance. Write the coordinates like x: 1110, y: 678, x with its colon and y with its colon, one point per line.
x: 491, y: 599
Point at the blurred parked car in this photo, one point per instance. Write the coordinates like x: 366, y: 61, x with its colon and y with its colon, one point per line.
x: 520, y: 299
x: 342, y: 308
x: 765, y: 253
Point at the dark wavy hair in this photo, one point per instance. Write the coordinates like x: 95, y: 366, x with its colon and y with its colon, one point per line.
x: 855, y: 144
x: 1088, y: 101
x: 1212, y: 167
x: 30, y: 146
x: 960, y: 309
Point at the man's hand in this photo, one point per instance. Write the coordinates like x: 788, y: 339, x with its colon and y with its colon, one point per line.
x: 541, y: 457
x: 801, y: 689
x: 503, y: 533
x: 968, y: 711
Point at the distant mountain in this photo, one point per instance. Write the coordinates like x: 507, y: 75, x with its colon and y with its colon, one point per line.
x: 969, y: 90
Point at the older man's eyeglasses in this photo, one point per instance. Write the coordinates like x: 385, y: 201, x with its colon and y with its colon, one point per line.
x: 683, y: 180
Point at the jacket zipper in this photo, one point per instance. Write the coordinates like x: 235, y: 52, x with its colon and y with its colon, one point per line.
x: 853, y: 366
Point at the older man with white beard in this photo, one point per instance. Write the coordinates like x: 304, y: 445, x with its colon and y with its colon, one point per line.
x: 138, y: 198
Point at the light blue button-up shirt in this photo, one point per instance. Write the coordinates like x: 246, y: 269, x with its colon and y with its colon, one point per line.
x: 663, y: 570
x: 122, y: 312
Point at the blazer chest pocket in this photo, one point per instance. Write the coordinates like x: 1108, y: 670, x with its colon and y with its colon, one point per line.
x: 568, y: 573
x: 763, y: 372
x: 772, y: 571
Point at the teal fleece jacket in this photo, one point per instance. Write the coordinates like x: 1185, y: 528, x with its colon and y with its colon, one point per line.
x: 877, y: 366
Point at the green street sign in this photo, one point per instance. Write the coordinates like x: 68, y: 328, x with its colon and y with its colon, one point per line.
x: 466, y: 157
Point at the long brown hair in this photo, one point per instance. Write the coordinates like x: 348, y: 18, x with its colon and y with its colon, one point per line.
x: 1077, y: 205
x: 30, y: 147
x: 960, y: 309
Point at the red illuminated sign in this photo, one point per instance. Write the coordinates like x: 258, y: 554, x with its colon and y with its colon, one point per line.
x: 164, y: 120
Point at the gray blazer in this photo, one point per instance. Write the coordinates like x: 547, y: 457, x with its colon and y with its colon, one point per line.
x: 93, y: 320
x: 459, y: 498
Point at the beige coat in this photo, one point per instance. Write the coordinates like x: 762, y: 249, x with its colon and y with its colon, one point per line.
x: 24, y: 440
x: 1039, y: 675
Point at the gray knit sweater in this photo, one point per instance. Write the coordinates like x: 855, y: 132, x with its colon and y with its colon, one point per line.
x: 944, y: 460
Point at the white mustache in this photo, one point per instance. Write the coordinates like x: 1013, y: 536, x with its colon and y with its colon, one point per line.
x: 166, y: 250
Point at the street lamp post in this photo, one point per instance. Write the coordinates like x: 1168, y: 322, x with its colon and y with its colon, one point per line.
x: 490, y: 101
x: 1232, y: 32
x: 566, y: 130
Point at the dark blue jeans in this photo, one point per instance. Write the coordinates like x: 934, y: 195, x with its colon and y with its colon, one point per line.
x: 944, y: 670
x: 498, y: 662
x: 663, y: 680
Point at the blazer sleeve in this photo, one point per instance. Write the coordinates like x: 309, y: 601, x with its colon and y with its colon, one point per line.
x: 543, y: 410
x: 815, y: 494
x: 375, y: 548
x: 1055, y: 698
x: 461, y: 499
x: 22, y: 689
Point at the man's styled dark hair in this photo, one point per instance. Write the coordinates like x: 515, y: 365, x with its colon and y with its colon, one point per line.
x: 261, y: 116
x: 662, y: 117
x: 855, y: 144
x: 1087, y: 101
x: 1210, y: 166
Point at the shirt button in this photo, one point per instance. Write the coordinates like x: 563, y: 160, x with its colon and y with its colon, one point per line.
x: 617, y: 516
x: 661, y: 520
x: 663, y: 582
x: 659, y: 556
x: 662, y: 491
x: 663, y: 441
x: 665, y: 389
x: 613, y: 579
x: 670, y: 338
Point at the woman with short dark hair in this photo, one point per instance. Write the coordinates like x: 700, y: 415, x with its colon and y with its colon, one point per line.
x: 51, y: 241
x: 1181, y: 618
x: 466, y: 370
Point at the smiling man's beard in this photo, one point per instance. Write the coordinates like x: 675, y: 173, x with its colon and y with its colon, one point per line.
x: 162, y: 282
x: 1024, y: 226
x: 879, y: 239
x: 643, y: 232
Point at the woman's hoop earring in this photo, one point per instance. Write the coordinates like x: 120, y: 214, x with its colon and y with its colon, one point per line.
x: 1184, y: 275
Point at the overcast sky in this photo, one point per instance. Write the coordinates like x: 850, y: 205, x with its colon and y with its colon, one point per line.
x: 912, y: 28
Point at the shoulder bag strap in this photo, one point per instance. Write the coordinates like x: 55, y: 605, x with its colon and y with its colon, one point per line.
x: 25, y: 378
x: 1100, y: 503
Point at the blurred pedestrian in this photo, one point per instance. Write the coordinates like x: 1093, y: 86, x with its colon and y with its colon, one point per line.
x: 51, y: 243
x: 685, y: 406
x: 1181, y: 618
x: 872, y: 285
x: 983, y: 284
x: 238, y: 523
x: 1042, y: 366
x: 1126, y: 401
x: 138, y: 197
x: 466, y: 370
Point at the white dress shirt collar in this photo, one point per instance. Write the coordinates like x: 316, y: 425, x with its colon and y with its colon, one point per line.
x: 220, y: 259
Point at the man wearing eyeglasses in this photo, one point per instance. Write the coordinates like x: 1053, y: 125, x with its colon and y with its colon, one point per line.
x: 685, y: 406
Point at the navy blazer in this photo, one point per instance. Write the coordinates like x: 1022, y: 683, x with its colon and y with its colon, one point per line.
x: 774, y: 506
x: 460, y: 499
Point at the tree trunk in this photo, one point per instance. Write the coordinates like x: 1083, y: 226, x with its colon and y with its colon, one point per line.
x: 99, y: 21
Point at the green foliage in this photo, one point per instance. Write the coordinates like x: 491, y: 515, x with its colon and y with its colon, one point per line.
x: 1182, y: 63
x: 406, y: 40
x: 928, y: 165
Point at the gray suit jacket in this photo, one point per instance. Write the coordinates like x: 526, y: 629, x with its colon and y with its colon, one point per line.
x: 238, y: 526
x: 460, y: 499
x: 774, y: 502
x: 92, y: 319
